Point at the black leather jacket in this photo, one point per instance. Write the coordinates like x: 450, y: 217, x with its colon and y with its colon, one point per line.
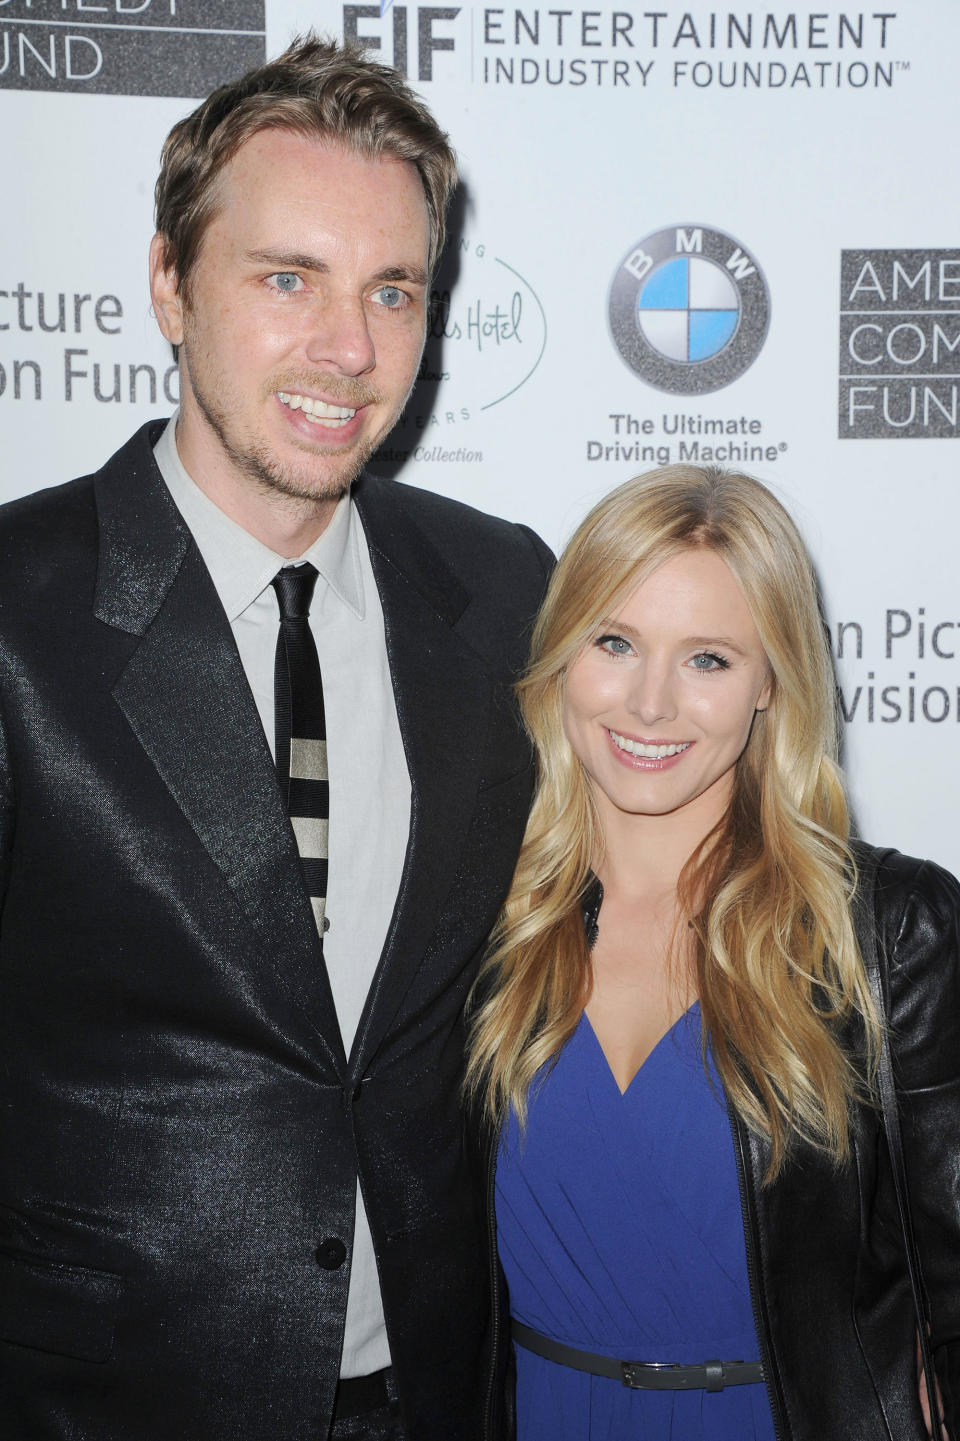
x: 828, y: 1278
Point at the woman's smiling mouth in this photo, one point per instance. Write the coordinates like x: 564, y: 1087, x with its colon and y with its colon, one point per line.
x: 648, y: 750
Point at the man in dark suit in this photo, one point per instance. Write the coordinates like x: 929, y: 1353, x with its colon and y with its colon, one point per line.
x: 234, y: 1198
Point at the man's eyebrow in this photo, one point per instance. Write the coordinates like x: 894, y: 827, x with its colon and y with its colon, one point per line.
x: 293, y: 260
x: 287, y: 260
x: 415, y: 274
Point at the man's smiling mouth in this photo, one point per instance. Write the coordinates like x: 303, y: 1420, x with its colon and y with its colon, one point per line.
x: 317, y: 411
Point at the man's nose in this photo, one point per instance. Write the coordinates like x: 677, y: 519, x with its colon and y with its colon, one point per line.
x: 340, y: 338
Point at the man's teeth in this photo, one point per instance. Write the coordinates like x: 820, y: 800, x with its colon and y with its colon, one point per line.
x: 650, y: 753
x: 317, y: 411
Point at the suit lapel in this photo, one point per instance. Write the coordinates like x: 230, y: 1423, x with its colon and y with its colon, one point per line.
x: 186, y: 698
x: 438, y: 681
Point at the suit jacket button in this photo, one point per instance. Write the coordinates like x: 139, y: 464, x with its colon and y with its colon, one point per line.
x: 331, y: 1254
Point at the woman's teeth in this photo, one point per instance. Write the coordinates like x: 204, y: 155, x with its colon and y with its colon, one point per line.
x: 648, y: 752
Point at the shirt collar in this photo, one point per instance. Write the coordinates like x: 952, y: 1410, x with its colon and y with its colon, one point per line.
x: 241, y: 567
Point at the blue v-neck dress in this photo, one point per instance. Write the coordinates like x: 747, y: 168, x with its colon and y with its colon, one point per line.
x: 620, y: 1232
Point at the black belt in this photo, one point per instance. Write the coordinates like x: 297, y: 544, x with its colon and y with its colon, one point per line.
x: 641, y: 1375
x: 358, y: 1395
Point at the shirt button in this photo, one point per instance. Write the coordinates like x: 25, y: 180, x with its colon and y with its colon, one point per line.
x: 331, y: 1254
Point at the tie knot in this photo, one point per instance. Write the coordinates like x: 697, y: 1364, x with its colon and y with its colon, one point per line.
x: 294, y: 586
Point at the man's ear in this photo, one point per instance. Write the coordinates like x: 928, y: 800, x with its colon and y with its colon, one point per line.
x: 165, y: 294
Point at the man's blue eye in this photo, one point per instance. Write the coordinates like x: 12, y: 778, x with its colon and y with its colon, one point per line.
x: 286, y: 280
x: 390, y: 296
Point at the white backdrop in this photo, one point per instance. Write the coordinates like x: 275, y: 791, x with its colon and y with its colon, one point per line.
x: 681, y: 228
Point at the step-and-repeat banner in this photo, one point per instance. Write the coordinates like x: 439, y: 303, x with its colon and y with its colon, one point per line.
x: 685, y: 233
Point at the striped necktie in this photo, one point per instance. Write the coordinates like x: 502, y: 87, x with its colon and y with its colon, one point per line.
x: 301, y: 731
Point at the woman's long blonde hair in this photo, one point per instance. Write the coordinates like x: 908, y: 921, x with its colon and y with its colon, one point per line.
x: 777, y: 967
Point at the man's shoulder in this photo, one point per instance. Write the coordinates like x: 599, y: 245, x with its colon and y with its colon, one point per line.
x: 59, y: 525
x: 468, y: 539
x: 430, y: 506
x: 48, y: 523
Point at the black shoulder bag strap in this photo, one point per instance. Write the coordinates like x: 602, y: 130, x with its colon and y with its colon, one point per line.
x: 867, y: 862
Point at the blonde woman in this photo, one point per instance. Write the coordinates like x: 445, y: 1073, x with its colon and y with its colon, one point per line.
x: 674, y: 1043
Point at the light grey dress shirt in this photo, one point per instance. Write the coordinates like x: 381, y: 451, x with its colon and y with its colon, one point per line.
x: 369, y: 782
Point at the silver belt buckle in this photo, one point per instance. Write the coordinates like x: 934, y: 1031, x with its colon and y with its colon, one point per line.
x: 634, y: 1373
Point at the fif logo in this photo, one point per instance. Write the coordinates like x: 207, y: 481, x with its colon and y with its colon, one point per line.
x: 401, y: 32
x: 689, y: 309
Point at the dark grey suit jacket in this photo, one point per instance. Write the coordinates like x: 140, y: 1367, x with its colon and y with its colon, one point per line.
x: 180, y: 1130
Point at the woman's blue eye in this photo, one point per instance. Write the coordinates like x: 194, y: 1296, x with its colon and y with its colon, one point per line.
x: 707, y: 660
x: 614, y: 644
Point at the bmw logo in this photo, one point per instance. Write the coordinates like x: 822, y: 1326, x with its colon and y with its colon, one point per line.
x: 689, y: 309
